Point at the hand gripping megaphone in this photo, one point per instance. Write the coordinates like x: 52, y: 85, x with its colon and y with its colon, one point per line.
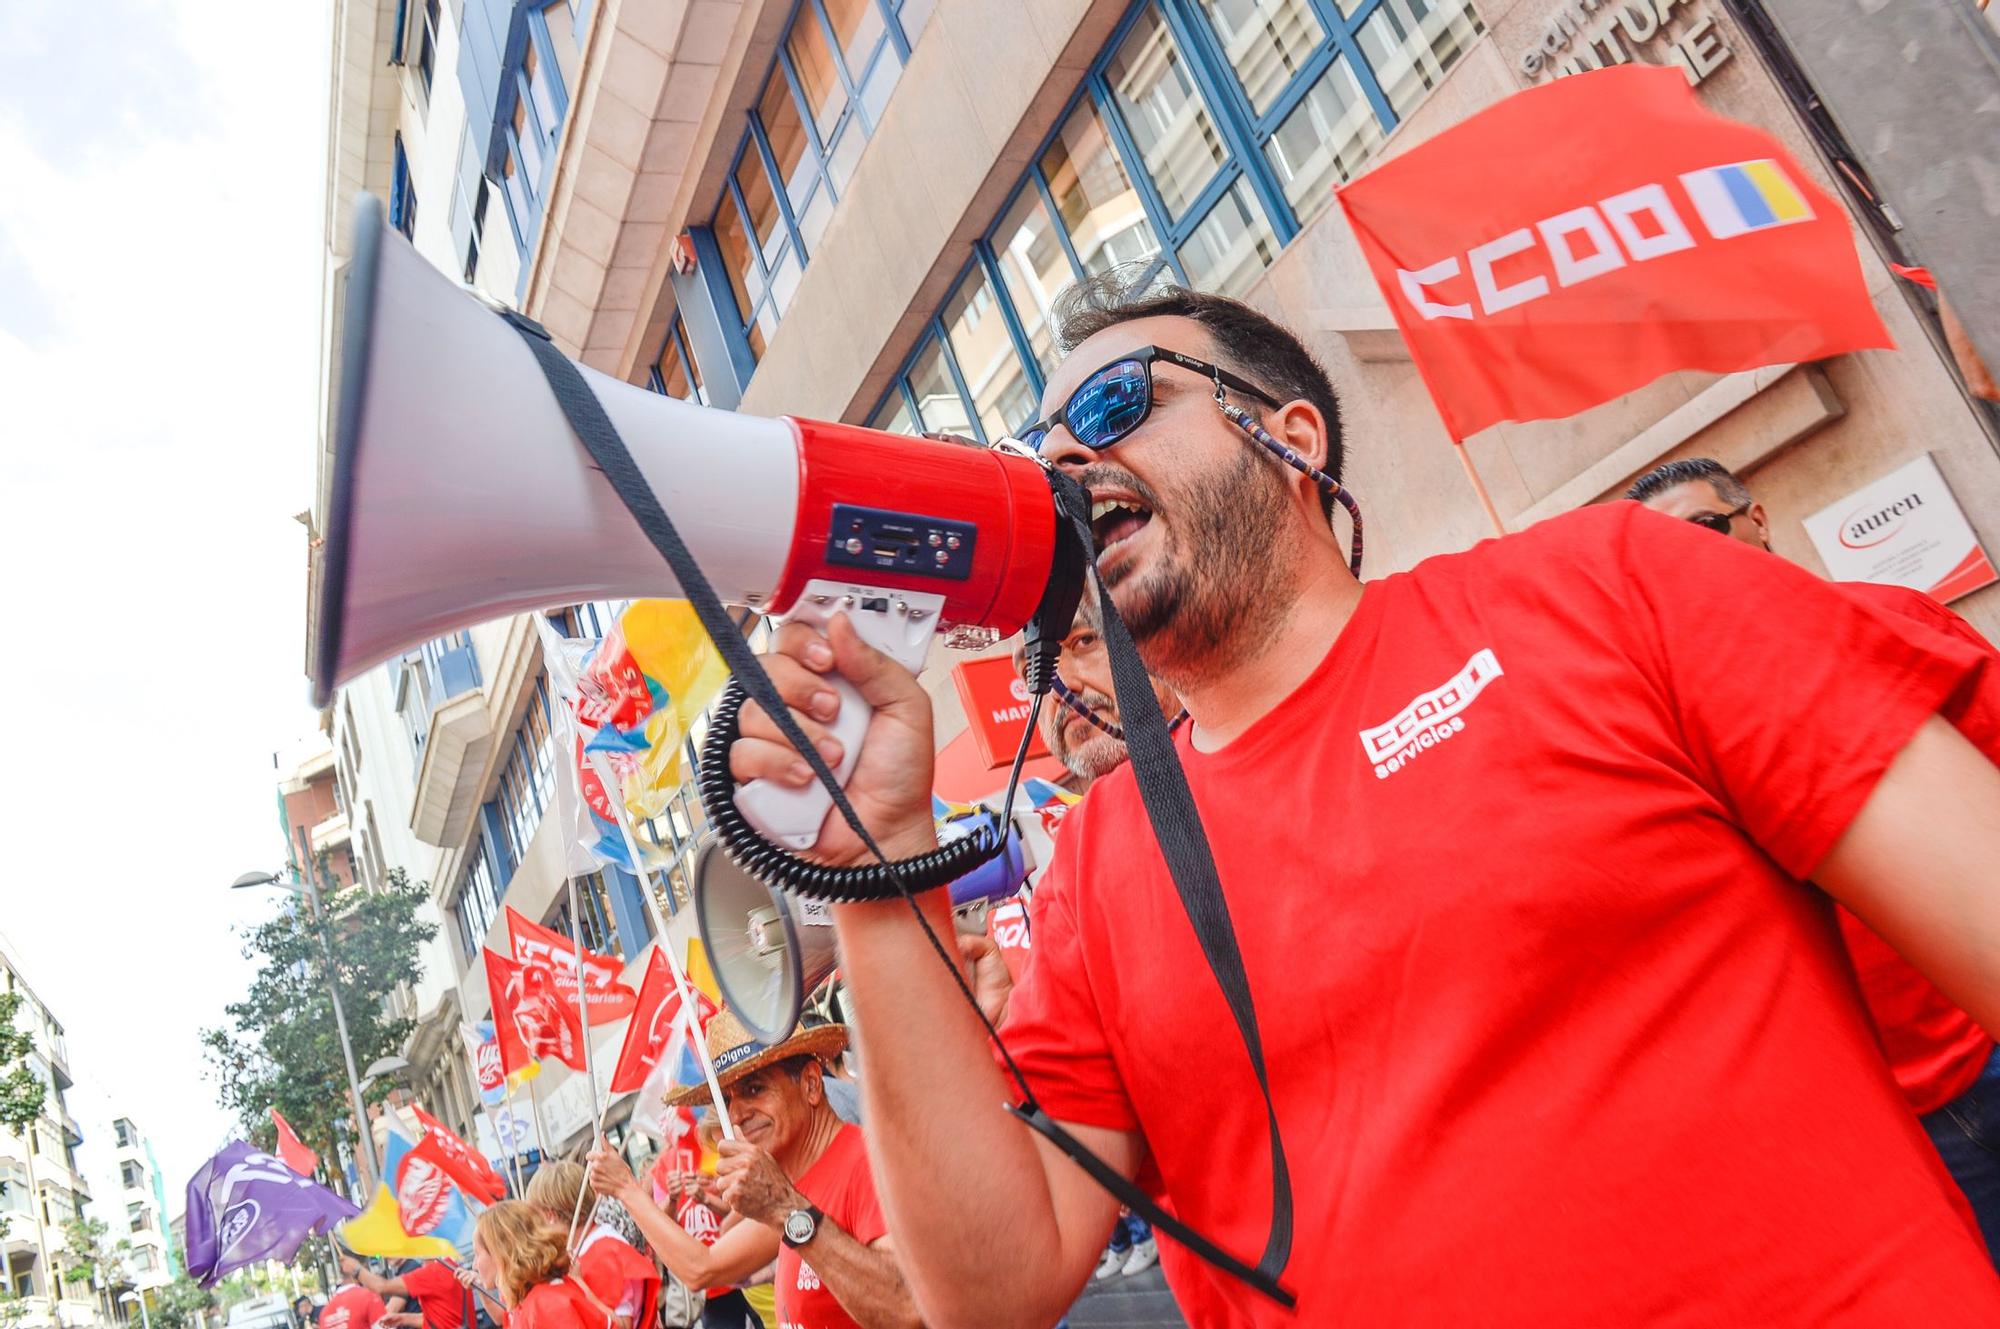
x: 461, y: 494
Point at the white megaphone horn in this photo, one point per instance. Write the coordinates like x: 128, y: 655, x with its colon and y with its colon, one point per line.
x: 460, y: 494
x: 767, y: 953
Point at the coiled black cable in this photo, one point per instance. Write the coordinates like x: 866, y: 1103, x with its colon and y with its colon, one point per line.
x: 760, y: 858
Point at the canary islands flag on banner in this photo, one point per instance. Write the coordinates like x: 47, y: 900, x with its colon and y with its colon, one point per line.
x: 416, y: 1212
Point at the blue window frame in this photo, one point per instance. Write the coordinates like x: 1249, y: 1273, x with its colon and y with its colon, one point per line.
x: 675, y: 372
x: 478, y: 901
x: 427, y: 44
x: 530, y: 112
x: 403, y: 195
x: 527, y: 782
x: 600, y: 934
x: 1200, y: 141
x: 824, y: 94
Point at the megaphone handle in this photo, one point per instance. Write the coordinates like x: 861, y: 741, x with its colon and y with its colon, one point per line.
x: 900, y: 624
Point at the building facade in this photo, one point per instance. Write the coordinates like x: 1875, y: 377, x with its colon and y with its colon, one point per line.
x: 41, y: 1184
x: 864, y: 210
x: 139, y: 1214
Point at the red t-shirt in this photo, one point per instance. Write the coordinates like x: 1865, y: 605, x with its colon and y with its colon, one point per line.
x: 352, y: 1307
x: 1936, y: 1049
x: 840, y: 1186
x: 619, y: 1275
x: 440, y: 1296
x: 1555, y: 1034
x: 557, y: 1304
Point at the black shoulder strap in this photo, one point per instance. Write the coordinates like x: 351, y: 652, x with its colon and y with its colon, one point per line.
x: 1162, y: 784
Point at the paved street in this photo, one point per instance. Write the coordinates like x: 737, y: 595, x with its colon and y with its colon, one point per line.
x: 1138, y: 1302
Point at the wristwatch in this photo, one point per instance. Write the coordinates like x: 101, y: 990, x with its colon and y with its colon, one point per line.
x: 801, y: 1226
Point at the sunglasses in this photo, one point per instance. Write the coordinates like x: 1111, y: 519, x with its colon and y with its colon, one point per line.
x: 1719, y: 522
x: 1116, y: 400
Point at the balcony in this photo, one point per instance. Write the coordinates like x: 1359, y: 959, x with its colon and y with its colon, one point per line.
x: 330, y: 834
x: 438, y: 692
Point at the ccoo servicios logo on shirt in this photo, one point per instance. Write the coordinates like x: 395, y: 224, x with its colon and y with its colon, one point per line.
x: 1431, y: 718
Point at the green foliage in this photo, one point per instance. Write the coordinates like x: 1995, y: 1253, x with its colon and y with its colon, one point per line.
x: 283, y: 1050
x: 13, y: 1309
x: 180, y: 1303
x: 22, y: 1093
x: 89, y: 1258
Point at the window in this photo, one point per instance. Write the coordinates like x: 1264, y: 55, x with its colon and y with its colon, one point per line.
x: 1206, y: 134
x: 599, y: 933
x: 131, y: 1174
x: 144, y: 1261
x: 675, y: 373
x: 427, y: 44
x: 527, y: 782
x: 478, y: 902
x: 403, y: 195
x: 478, y: 233
x: 123, y: 1130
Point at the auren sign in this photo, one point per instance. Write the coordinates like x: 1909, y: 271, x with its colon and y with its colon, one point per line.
x: 1905, y: 529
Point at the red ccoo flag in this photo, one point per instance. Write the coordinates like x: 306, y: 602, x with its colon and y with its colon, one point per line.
x: 652, y: 1027
x: 1580, y: 239
x: 609, y: 997
x: 530, y: 1018
x: 460, y: 1161
x: 292, y: 1149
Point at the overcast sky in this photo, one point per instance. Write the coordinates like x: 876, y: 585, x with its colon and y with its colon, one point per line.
x: 160, y: 175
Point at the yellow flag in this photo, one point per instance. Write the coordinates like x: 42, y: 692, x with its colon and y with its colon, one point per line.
x: 698, y: 972
x: 668, y: 644
x: 379, y: 1231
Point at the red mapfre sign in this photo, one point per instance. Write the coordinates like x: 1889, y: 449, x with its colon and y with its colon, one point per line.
x: 996, y: 704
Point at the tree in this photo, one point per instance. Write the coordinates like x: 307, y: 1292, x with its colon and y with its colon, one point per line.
x: 90, y: 1259
x: 13, y: 1309
x: 283, y: 1050
x: 179, y: 1304
x: 22, y: 1094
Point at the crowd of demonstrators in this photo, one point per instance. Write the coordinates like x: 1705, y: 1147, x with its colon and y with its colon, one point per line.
x: 614, y: 1272
x: 442, y: 1302
x: 1946, y: 1064
x: 797, y: 1184
x: 1514, y: 849
x: 681, y: 1189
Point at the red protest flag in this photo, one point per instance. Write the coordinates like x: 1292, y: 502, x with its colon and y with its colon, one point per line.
x: 291, y: 1149
x: 1580, y: 239
x: 653, y: 1023
x: 460, y: 1161
x: 530, y: 1018
x: 609, y: 996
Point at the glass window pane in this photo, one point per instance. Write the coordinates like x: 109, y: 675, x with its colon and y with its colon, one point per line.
x: 561, y: 21
x: 913, y: 14
x: 1232, y: 246
x: 785, y: 281
x: 1033, y: 268
x: 813, y: 218
x: 1411, y: 43
x: 528, y: 145
x: 939, y: 407
x: 1325, y: 139
x: 825, y: 97
x: 1099, y: 207
x: 787, y: 137
x: 845, y: 155
x: 679, y: 375
x: 894, y: 416
x: 538, y: 87
x: 879, y: 83
x: 761, y: 204
x: 1001, y: 393
x: 1265, y: 41
x: 858, y: 26
x: 736, y: 257
x: 1157, y: 96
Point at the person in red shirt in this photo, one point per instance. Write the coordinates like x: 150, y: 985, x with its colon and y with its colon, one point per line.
x: 352, y: 1306
x: 1946, y: 1064
x: 441, y: 1302
x: 796, y: 1180
x: 1512, y: 848
x: 616, y: 1274
x: 520, y: 1253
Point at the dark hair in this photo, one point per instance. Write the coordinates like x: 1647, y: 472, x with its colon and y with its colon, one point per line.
x: 1246, y: 342
x: 1662, y: 478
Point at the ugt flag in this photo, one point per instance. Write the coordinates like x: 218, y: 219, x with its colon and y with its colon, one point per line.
x: 459, y: 1160
x: 1580, y: 239
x: 244, y: 1206
x: 655, y: 1026
x: 531, y: 1020
x: 416, y: 1211
x: 605, y: 992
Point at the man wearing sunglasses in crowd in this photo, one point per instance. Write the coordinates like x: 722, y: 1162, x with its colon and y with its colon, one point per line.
x: 1947, y: 1066
x: 1513, y: 847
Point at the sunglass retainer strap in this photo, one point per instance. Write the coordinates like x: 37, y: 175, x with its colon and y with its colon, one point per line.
x: 1247, y: 422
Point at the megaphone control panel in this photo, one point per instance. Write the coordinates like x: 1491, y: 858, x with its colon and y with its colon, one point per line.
x: 917, y: 546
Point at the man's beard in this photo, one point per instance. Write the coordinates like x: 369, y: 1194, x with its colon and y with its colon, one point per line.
x: 1096, y: 754
x: 1211, y: 582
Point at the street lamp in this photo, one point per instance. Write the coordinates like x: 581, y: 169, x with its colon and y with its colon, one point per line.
x: 144, y: 1314
x: 303, y: 886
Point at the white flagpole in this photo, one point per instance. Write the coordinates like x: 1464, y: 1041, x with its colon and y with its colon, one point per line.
x: 513, y: 1146
x: 681, y: 985
x: 582, y: 998
x: 535, y: 1106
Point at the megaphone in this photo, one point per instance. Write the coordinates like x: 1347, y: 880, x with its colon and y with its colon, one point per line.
x: 460, y: 494
x: 767, y: 954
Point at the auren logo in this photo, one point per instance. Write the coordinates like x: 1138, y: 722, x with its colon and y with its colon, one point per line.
x: 1430, y: 719
x: 1859, y: 532
x: 1636, y: 226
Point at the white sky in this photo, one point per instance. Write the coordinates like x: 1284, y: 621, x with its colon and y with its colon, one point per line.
x: 160, y: 175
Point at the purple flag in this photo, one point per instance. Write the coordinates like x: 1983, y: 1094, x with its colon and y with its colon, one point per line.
x: 244, y: 1206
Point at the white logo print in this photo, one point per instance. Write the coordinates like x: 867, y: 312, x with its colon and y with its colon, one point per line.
x: 1430, y: 719
x: 808, y: 1279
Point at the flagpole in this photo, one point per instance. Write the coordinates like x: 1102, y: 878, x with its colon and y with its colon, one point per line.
x: 535, y: 1106
x: 513, y: 1124
x: 582, y: 997
x: 1479, y: 487
x: 681, y: 986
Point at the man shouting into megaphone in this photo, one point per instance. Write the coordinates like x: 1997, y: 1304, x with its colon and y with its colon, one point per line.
x: 1513, y: 853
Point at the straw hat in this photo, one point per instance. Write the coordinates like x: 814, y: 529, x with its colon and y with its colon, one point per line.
x: 736, y: 1053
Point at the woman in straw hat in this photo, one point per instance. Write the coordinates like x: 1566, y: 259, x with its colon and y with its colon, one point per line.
x: 797, y: 1184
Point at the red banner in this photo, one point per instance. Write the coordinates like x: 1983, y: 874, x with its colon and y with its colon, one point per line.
x: 458, y: 1160
x: 997, y: 707
x: 531, y: 1019
x: 610, y: 997
x: 291, y: 1149
x: 1580, y: 239
x: 653, y: 1023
